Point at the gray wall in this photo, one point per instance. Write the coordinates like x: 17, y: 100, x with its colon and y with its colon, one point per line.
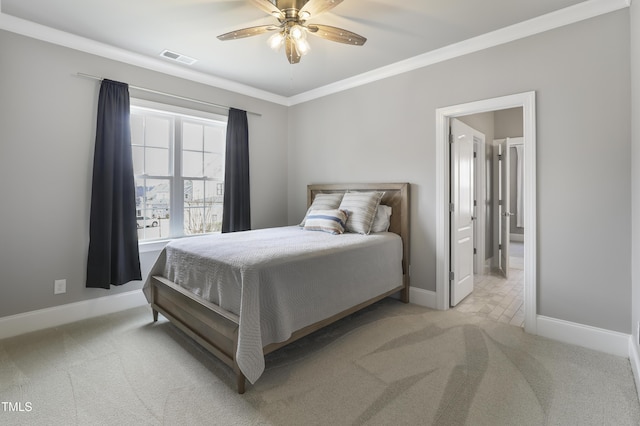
x: 385, y: 131
x: 635, y: 164
x: 47, y: 134
x: 508, y: 123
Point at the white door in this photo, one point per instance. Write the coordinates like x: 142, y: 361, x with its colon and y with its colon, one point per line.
x: 504, y: 214
x: 461, y: 211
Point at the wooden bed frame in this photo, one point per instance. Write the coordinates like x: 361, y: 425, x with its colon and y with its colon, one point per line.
x: 216, y: 329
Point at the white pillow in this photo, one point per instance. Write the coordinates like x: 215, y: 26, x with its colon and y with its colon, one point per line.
x: 382, y: 220
x: 324, y: 202
x: 331, y: 221
x: 361, y: 207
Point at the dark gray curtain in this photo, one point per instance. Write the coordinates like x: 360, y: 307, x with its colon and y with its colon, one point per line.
x: 113, y: 246
x: 236, y: 214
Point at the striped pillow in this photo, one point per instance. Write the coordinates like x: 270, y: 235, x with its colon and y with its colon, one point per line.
x: 361, y: 207
x: 324, y: 202
x: 332, y: 221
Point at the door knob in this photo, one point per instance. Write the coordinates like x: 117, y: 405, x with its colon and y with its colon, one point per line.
x: 507, y: 214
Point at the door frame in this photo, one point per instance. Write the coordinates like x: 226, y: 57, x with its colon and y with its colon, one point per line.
x: 525, y: 100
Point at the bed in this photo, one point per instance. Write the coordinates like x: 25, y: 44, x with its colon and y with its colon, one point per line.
x: 243, y: 295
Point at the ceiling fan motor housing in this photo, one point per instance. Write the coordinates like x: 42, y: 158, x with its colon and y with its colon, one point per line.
x: 290, y: 4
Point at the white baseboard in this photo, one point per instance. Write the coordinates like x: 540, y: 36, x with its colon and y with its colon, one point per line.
x: 634, y: 359
x: 599, y: 339
x: 516, y: 237
x: 422, y: 297
x: 488, y: 265
x: 58, y: 315
x: 602, y: 340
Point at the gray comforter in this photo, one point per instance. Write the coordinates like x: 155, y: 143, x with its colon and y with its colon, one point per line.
x: 279, y: 280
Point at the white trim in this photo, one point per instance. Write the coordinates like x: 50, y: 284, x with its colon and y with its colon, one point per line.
x: 599, y: 339
x: 168, y: 109
x: 488, y: 265
x: 634, y: 360
x: 422, y: 297
x: 27, y: 322
x: 153, y: 245
x: 602, y: 340
x: 443, y: 116
x: 61, y: 38
x: 569, y: 15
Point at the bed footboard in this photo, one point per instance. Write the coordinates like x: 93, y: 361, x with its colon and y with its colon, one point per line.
x: 217, y: 333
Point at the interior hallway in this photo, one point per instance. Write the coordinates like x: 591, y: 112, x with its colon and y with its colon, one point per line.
x: 497, y: 298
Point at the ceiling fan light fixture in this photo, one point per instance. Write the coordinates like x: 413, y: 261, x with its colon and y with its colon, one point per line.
x: 304, y: 15
x: 276, y: 41
x: 302, y: 46
x: 292, y: 30
x: 297, y: 32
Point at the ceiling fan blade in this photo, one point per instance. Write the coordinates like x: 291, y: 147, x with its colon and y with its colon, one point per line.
x: 316, y: 7
x: 290, y: 49
x: 336, y: 34
x: 268, y: 7
x: 248, y: 32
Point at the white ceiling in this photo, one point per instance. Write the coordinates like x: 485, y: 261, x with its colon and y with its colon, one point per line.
x: 395, y: 30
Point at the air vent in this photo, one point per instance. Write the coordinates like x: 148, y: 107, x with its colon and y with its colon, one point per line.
x: 177, y: 57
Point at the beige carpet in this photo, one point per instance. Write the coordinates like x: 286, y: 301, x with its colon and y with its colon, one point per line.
x: 392, y: 364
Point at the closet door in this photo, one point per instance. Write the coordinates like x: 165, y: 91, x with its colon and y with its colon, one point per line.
x: 461, y: 211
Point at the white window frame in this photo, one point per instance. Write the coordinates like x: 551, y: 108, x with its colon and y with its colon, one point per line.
x: 176, y: 179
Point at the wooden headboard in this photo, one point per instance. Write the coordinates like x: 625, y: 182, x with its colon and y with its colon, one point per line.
x: 396, y: 196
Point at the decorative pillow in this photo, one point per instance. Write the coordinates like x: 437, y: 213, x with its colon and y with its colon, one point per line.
x: 332, y: 221
x: 361, y: 207
x: 382, y: 220
x: 324, y: 202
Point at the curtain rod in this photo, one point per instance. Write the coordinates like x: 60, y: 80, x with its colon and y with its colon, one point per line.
x: 157, y: 92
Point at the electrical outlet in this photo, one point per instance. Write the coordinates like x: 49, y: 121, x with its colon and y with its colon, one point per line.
x: 59, y: 286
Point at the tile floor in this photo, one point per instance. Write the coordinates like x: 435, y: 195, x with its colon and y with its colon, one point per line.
x: 498, y: 298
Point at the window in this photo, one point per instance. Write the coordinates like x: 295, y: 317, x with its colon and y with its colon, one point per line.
x: 178, y: 163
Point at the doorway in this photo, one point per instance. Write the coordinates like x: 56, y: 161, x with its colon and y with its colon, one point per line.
x: 498, y: 291
x: 443, y: 187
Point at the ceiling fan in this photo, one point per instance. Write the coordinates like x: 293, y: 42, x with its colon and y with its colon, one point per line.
x: 292, y: 29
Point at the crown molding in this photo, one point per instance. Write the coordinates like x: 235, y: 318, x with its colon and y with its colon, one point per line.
x: 559, y: 18
x: 61, y: 38
x: 572, y: 14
